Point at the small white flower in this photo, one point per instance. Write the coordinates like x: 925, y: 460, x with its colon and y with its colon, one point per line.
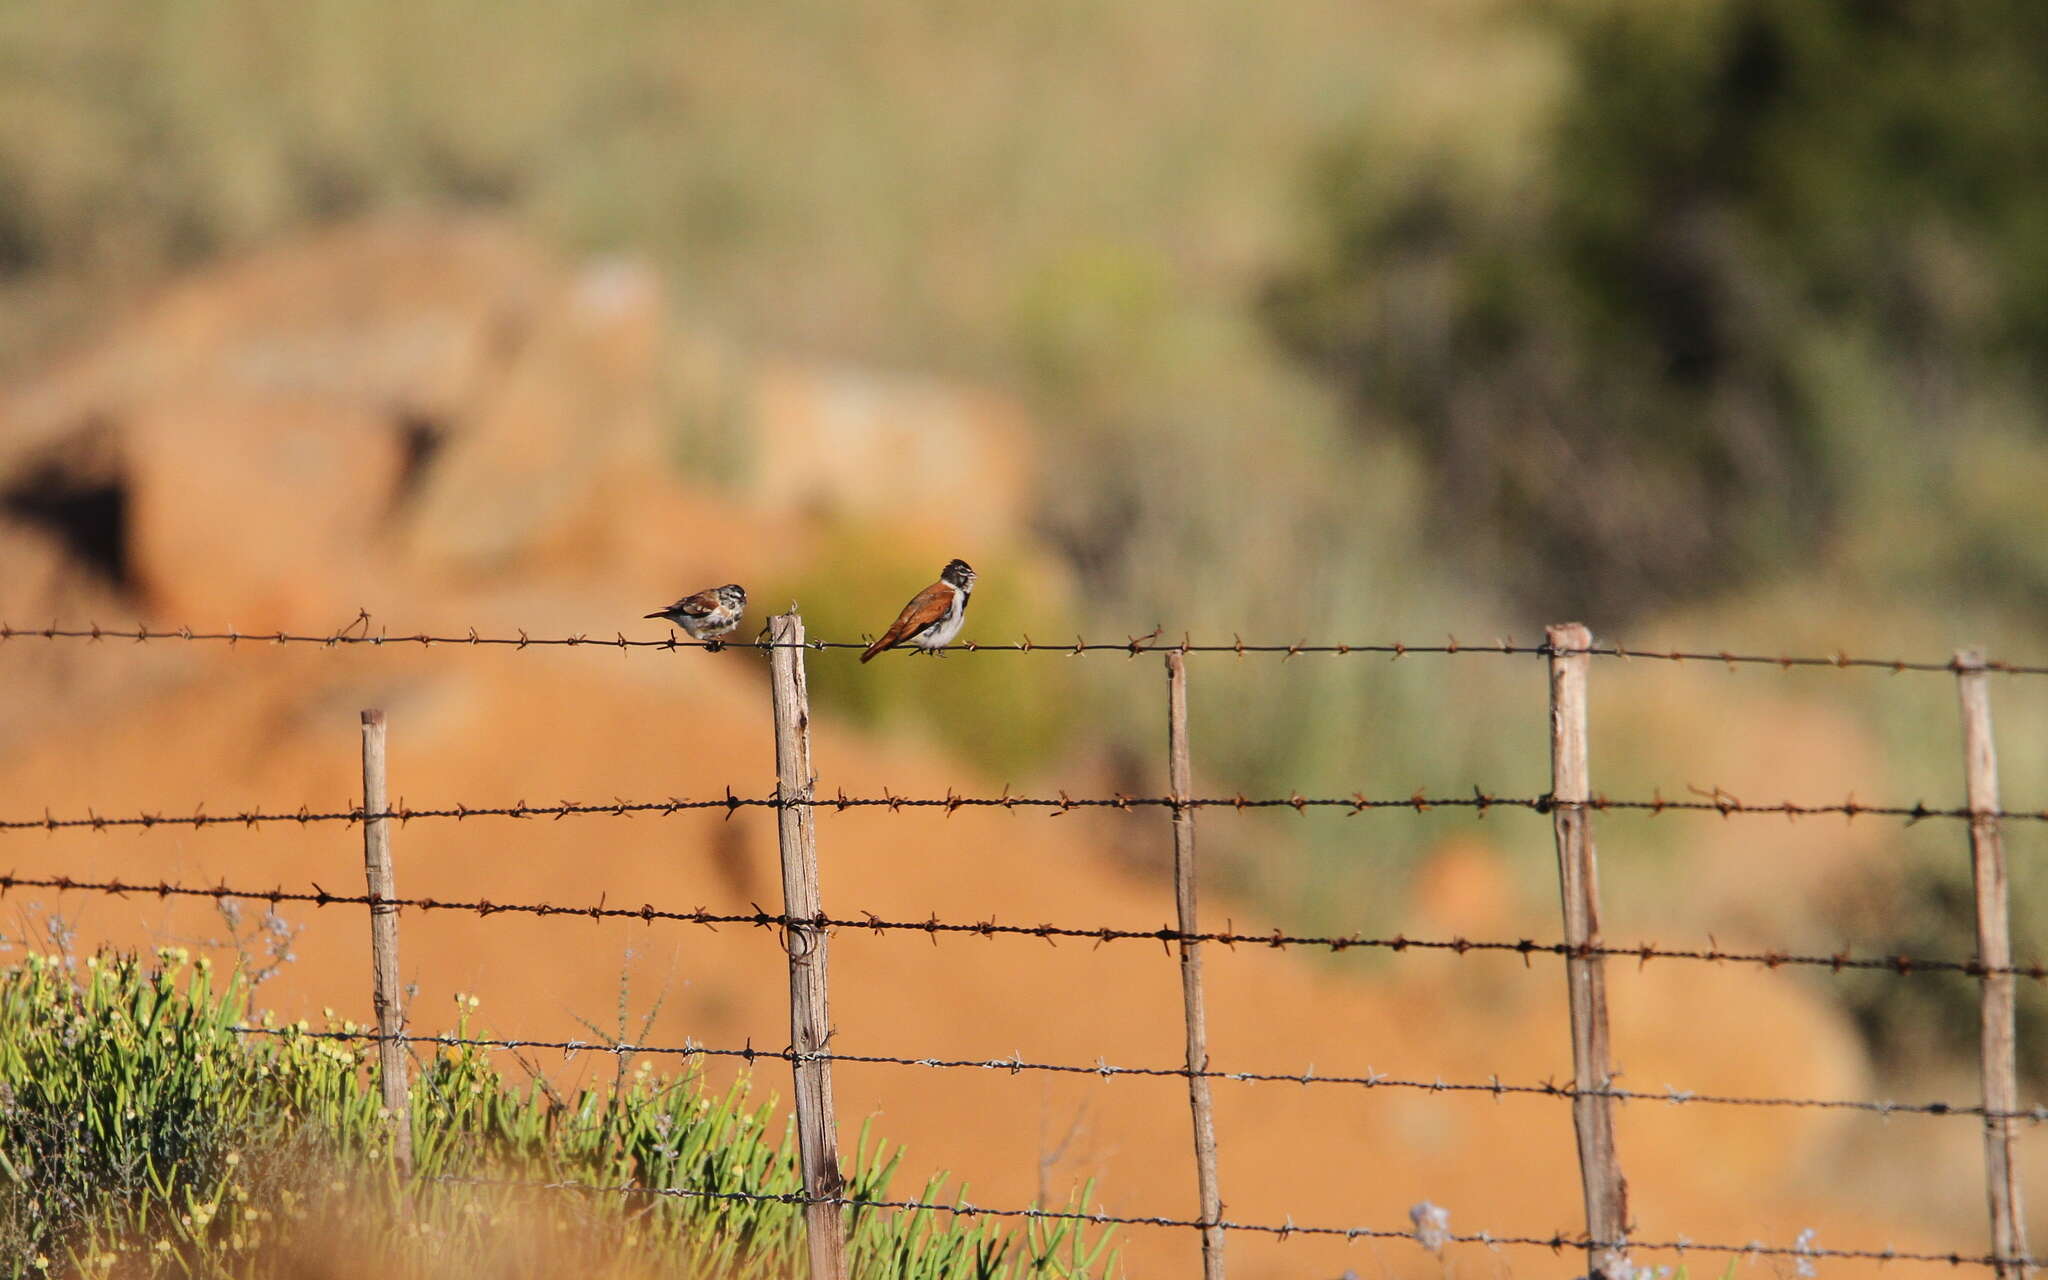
x: 1432, y: 1225
x: 1802, y: 1243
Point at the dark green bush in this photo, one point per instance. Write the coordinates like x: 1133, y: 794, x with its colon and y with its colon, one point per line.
x: 1772, y: 253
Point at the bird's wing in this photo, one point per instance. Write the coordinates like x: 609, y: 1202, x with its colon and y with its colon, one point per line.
x: 697, y: 606
x: 928, y: 607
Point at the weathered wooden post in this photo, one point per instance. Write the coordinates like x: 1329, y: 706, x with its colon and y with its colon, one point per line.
x: 1585, y: 971
x: 385, y: 994
x: 1191, y: 965
x: 1997, y: 1046
x: 810, y: 1022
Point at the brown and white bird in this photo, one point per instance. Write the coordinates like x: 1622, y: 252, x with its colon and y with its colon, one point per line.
x: 933, y: 617
x: 711, y: 613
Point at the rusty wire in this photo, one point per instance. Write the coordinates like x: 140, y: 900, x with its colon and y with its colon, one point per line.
x: 199, y: 818
x: 1016, y: 1064
x: 1557, y: 1241
x: 1715, y: 800
x: 933, y: 928
x: 1132, y: 645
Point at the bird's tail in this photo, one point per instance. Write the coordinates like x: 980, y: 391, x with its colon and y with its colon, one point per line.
x: 874, y: 649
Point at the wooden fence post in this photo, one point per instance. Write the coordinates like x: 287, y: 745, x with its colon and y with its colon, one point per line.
x: 810, y: 1022
x: 1997, y: 1046
x: 1579, y: 884
x: 385, y: 994
x: 1191, y: 966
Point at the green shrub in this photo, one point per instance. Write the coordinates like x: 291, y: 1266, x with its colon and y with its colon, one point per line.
x: 146, y: 1128
x: 1769, y: 259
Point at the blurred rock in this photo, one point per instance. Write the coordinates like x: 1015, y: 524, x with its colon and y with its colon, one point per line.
x: 437, y: 400
x: 852, y: 444
x: 404, y: 317
x: 271, y: 511
x: 576, y: 404
x: 257, y: 437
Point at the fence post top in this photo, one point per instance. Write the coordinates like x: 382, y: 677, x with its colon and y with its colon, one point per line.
x: 1970, y: 659
x: 373, y: 717
x: 1568, y: 635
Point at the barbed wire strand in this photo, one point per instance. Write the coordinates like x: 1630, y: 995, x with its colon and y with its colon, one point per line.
x: 1715, y: 800
x: 1016, y: 1064
x: 1132, y: 646
x: 934, y: 927
x: 1557, y: 1241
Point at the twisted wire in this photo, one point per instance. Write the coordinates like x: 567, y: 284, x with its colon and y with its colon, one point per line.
x: 933, y: 928
x: 1016, y: 1064
x: 1716, y: 800
x: 1556, y: 1241
x: 1132, y: 645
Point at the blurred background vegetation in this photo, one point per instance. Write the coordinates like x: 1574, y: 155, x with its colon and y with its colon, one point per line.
x: 1720, y: 320
x: 1775, y: 282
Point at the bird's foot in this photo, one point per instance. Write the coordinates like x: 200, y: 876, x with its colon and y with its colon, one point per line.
x: 714, y: 646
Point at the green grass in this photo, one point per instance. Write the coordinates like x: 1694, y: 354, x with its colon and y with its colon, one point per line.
x: 145, y: 1132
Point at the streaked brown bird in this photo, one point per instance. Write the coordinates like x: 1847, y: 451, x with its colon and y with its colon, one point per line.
x: 711, y: 613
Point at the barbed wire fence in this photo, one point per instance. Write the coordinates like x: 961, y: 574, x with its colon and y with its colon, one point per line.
x: 805, y: 928
x: 357, y: 634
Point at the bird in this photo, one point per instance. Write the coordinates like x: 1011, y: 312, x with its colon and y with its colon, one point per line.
x: 711, y: 613
x: 933, y: 616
